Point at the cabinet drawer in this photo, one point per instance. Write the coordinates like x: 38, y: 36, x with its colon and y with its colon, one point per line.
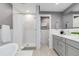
x: 61, y: 48
x: 72, y: 43
x: 61, y: 39
x: 71, y: 51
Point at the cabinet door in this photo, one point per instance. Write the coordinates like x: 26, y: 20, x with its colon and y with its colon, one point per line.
x: 54, y: 42
x: 71, y: 51
x: 61, y: 39
x: 61, y: 47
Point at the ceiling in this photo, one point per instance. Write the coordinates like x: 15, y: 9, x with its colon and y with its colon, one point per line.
x: 53, y: 7
x: 24, y: 7
x: 47, y: 7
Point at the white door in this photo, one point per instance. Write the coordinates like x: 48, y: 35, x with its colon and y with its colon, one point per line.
x: 45, y: 35
x: 44, y: 29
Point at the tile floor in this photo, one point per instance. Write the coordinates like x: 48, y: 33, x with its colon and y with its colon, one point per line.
x: 44, y: 51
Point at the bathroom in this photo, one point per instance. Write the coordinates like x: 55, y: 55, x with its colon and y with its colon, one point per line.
x: 32, y: 27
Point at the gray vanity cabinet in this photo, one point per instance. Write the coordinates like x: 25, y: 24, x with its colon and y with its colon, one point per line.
x: 61, y: 48
x: 55, y: 40
x: 65, y: 47
x: 71, y: 51
x: 59, y: 45
x: 72, y: 48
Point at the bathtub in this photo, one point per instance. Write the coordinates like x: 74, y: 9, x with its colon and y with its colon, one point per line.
x: 9, y: 49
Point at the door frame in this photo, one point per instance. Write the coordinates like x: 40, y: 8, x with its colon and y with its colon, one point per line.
x: 50, y: 37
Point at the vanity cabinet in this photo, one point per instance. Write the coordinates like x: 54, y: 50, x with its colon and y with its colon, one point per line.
x: 59, y: 45
x: 71, y: 51
x: 72, y: 48
x: 65, y: 47
x: 61, y: 48
x: 55, y: 43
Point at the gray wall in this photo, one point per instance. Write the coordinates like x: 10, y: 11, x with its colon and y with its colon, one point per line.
x: 68, y: 16
x: 67, y: 19
x: 6, y: 14
x: 73, y: 8
x: 64, y: 18
x: 56, y: 17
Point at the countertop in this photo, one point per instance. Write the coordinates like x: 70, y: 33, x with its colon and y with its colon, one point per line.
x: 71, y: 37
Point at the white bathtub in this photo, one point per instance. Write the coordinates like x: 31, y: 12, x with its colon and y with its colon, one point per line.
x: 9, y: 49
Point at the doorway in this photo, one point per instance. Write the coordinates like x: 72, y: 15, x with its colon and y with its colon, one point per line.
x: 45, y: 30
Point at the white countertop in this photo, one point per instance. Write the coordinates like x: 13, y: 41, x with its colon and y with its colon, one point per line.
x: 71, y: 37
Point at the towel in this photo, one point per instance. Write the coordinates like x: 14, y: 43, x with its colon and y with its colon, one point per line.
x: 5, y: 34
